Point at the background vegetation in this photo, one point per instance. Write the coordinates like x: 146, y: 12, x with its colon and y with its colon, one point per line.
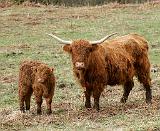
x: 22, y: 37
x: 80, y: 2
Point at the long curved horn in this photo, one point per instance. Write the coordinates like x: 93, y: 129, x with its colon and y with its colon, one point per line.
x: 59, y: 39
x: 102, y: 40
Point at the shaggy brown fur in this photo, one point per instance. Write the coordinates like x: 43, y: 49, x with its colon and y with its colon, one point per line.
x: 113, y: 62
x: 38, y: 78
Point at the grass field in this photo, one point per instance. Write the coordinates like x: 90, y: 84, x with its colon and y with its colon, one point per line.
x: 22, y: 36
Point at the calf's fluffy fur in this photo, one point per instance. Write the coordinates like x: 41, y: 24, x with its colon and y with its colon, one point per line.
x: 37, y: 78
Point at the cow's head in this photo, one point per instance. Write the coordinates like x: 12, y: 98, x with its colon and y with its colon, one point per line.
x: 80, y: 50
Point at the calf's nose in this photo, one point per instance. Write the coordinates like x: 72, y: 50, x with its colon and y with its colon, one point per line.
x: 40, y: 80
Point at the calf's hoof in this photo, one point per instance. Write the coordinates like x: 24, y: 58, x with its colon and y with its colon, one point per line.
x: 22, y: 110
x: 88, y: 105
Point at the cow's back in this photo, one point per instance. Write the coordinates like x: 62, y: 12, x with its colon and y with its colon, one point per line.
x: 134, y: 44
x: 125, y: 54
x: 119, y: 65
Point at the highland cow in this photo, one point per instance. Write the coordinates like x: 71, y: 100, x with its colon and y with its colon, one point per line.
x: 113, y: 62
x: 37, y: 78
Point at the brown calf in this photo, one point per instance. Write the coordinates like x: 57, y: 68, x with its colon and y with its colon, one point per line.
x: 38, y: 78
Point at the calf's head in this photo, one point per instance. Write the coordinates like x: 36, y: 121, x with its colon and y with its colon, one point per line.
x: 42, y: 75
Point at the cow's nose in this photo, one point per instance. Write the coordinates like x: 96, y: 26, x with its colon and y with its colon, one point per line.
x: 79, y: 65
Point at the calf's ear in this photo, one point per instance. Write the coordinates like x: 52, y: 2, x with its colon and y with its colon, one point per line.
x: 94, y: 47
x: 34, y: 69
x: 67, y: 48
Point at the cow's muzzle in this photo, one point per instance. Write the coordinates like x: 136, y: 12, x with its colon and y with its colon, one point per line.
x: 80, y: 65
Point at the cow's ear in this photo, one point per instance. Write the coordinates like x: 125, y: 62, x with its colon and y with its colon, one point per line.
x: 94, y: 47
x: 67, y: 48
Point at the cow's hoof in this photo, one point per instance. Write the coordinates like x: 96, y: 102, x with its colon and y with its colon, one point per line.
x: 39, y: 112
x: 148, y: 101
x: 96, y: 107
x: 89, y: 109
x: 123, y: 100
x: 27, y: 111
x: 49, y: 112
x: 22, y: 109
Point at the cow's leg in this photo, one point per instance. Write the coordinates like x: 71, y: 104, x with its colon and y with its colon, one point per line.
x: 88, y: 98
x: 28, y: 99
x: 144, y: 78
x: 127, y: 88
x: 96, y: 96
x: 147, y: 85
x: 143, y: 74
x: 39, y: 103
x: 48, y: 102
x: 148, y: 92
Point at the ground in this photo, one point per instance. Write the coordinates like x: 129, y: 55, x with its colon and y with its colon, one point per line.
x: 23, y: 36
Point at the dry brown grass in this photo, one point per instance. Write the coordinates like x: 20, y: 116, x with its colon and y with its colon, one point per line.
x: 68, y: 112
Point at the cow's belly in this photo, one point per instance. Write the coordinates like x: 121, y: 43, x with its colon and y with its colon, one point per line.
x: 120, y: 77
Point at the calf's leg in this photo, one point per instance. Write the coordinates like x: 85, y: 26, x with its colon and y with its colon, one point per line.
x: 39, y: 103
x: 28, y: 99
x: 22, y: 97
x: 21, y: 104
x: 48, y: 102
